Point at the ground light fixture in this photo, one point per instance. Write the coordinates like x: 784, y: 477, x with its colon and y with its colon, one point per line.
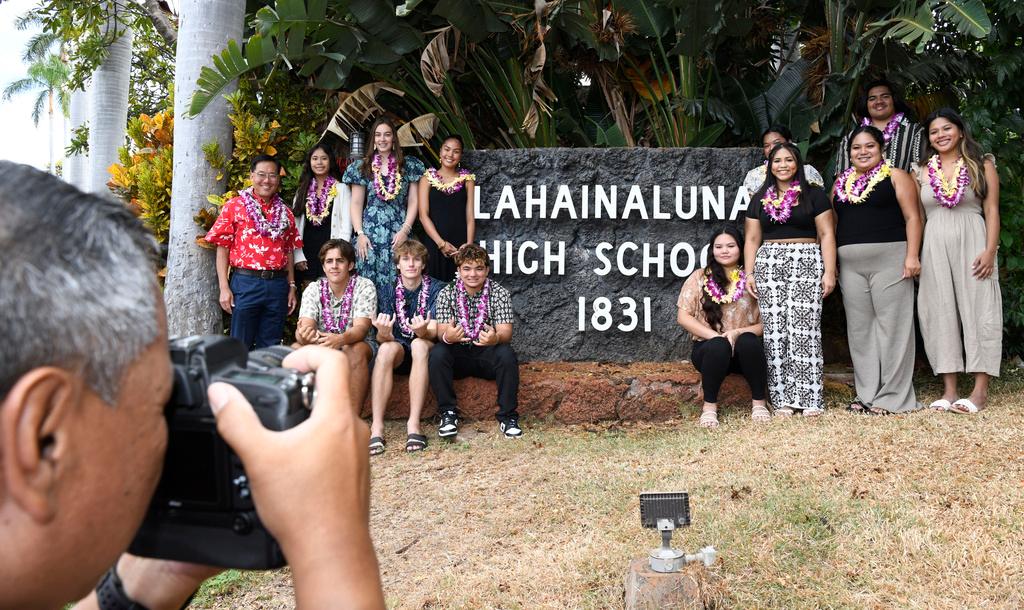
x: 666, y: 511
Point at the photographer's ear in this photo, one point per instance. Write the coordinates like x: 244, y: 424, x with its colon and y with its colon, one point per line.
x: 30, y: 444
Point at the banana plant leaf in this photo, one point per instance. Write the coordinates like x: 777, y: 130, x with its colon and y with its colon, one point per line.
x: 357, y: 108
x: 417, y: 131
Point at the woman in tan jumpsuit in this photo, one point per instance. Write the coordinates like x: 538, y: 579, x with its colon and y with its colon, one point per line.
x: 959, y: 304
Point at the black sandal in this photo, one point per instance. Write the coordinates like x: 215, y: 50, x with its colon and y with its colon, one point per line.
x: 376, y: 445
x: 415, y: 442
x: 857, y: 406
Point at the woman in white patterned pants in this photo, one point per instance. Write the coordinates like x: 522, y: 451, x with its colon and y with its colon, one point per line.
x: 790, y: 255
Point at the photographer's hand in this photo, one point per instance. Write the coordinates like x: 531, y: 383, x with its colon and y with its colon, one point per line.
x: 311, y: 484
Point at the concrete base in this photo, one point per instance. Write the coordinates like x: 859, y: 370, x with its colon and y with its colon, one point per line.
x: 650, y: 590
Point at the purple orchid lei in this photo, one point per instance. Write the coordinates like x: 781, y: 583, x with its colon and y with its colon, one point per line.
x: 461, y: 298
x: 437, y: 181
x: 316, y: 200
x: 779, y: 207
x: 421, y: 304
x: 738, y: 281
x: 890, y: 127
x: 389, y: 187
x: 331, y: 324
x: 276, y: 225
x: 948, y: 195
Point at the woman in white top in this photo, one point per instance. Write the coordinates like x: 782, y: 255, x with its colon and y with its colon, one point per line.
x: 322, y: 209
x: 775, y: 134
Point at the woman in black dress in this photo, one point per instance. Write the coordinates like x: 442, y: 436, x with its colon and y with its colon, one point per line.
x: 446, y: 209
x: 321, y: 210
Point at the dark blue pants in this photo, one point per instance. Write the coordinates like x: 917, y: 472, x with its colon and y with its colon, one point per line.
x: 497, y: 362
x: 260, y: 310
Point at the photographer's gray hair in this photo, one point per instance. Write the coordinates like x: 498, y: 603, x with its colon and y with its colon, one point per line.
x: 77, y: 283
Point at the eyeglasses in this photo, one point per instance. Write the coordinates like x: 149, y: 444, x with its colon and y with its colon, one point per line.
x: 266, y: 176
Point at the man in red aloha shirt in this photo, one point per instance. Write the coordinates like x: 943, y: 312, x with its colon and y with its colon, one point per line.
x: 255, y: 236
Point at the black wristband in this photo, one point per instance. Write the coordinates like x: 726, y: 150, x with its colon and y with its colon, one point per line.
x: 110, y: 593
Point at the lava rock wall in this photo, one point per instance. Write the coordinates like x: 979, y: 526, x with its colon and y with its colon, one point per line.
x: 691, y: 190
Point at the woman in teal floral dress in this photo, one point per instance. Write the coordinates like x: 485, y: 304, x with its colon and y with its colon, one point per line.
x: 383, y: 204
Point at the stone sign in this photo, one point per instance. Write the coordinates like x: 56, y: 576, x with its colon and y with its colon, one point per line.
x: 594, y: 244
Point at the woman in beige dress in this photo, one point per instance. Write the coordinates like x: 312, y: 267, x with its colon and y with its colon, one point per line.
x: 959, y: 303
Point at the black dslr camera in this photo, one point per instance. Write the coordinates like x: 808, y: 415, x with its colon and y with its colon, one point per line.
x: 202, y: 511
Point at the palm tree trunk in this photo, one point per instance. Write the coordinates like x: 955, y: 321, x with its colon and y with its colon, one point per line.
x: 50, y: 134
x: 108, y: 108
x: 77, y: 165
x: 204, y: 28
x: 161, y: 22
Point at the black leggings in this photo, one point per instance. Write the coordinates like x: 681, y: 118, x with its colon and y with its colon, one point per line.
x: 715, y: 359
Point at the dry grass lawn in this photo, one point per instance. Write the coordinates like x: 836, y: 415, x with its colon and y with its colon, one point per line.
x: 846, y: 511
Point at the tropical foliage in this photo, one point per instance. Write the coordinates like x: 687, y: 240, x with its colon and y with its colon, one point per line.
x: 78, y: 25
x: 583, y: 72
x: 275, y: 116
x: 143, y: 176
x: 47, y: 77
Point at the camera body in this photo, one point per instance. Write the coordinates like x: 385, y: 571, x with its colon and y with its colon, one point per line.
x: 202, y: 511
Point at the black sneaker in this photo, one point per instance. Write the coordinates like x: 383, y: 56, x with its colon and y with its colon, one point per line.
x: 510, y: 428
x: 449, y: 425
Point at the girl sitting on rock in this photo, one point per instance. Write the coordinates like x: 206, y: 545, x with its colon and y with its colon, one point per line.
x: 724, y: 320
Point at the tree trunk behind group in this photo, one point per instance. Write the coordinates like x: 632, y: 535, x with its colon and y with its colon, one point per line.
x: 77, y: 165
x: 50, y: 135
x: 191, y: 293
x: 108, y: 106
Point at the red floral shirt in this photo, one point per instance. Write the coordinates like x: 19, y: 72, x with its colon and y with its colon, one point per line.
x: 246, y: 247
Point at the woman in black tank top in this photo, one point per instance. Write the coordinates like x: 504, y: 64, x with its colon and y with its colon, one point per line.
x: 879, y: 238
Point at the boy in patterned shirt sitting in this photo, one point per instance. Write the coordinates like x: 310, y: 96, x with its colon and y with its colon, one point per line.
x: 474, y: 330
x: 336, y: 312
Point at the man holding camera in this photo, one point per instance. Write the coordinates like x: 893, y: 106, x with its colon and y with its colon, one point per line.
x: 84, y: 379
x: 256, y: 237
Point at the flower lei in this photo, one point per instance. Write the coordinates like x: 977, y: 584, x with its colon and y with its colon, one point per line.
x: 387, y: 188
x: 779, y: 206
x: 738, y: 281
x: 332, y: 325
x: 316, y: 201
x: 472, y: 332
x: 436, y: 181
x: 890, y: 127
x: 421, y: 304
x: 272, y: 228
x: 854, y: 190
x: 948, y: 195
